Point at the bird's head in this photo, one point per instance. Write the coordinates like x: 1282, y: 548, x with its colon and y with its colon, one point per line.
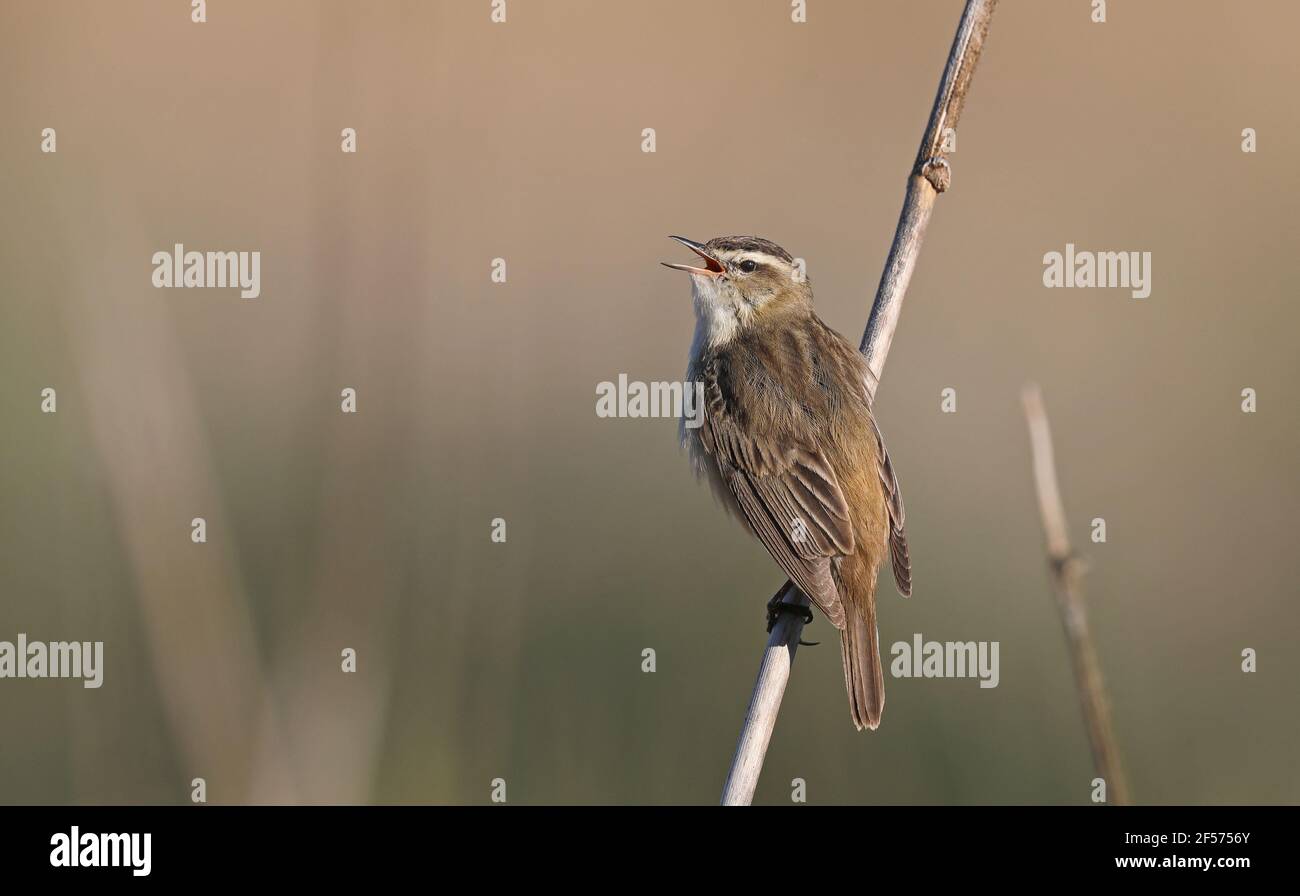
x: 743, y: 280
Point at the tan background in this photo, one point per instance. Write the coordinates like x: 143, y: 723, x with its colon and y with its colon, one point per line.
x: 522, y: 140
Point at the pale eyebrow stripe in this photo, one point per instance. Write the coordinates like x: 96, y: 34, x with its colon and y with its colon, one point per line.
x: 760, y: 257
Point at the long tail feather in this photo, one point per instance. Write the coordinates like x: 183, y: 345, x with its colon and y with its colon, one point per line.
x: 863, y: 676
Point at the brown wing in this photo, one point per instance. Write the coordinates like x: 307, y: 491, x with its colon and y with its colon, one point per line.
x: 901, y: 562
x: 793, y: 502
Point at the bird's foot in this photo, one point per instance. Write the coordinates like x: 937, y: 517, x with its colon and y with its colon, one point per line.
x: 776, y: 606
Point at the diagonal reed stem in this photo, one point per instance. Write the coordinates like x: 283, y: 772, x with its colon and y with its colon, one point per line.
x: 929, y: 177
x: 1067, y: 582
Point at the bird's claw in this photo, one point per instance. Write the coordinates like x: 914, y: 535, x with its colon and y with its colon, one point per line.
x: 777, y: 607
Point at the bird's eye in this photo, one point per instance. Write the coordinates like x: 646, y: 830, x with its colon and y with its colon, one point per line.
x: 748, y: 265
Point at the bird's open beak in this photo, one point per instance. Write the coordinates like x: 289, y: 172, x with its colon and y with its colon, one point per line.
x: 713, y: 266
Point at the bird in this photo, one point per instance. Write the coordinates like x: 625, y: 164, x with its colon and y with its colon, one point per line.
x: 790, y: 445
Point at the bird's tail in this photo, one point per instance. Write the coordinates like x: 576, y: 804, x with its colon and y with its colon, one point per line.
x: 860, y: 648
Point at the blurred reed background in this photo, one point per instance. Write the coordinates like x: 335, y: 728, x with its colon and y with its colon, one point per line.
x: 476, y: 400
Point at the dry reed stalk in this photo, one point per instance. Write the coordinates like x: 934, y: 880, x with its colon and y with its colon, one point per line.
x: 929, y: 177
